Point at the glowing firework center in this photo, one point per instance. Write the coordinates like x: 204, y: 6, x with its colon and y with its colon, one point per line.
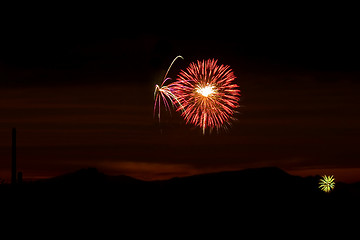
x: 207, y: 90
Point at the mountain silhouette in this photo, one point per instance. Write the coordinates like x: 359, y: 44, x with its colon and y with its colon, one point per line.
x: 260, y: 197
x: 257, y: 187
x: 88, y: 177
x: 245, y: 184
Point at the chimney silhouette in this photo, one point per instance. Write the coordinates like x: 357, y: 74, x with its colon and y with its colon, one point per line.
x: 13, y: 157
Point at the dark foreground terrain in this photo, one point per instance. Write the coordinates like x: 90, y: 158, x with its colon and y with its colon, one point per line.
x: 254, y: 197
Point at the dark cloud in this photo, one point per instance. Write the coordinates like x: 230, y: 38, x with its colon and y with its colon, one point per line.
x: 79, y: 90
x: 293, y: 121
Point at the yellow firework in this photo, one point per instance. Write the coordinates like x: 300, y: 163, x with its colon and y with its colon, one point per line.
x: 327, y: 183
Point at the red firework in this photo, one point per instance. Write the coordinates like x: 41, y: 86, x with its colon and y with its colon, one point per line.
x: 207, y: 94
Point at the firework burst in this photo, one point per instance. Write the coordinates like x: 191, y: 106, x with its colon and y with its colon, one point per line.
x: 165, y: 93
x: 206, y: 94
x: 327, y: 183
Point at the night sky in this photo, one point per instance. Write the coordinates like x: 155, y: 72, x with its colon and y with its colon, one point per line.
x: 79, y: 90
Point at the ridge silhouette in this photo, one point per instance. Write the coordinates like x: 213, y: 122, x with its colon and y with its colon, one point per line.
x: 245, y: 185
x: 267, y: 179
x: 260, y: 197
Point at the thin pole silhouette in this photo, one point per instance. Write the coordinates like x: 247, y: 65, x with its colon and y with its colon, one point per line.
x: 13, y: 157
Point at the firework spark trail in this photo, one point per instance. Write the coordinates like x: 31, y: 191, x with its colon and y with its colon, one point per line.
x: 165, y: 93
x: 207, y: 94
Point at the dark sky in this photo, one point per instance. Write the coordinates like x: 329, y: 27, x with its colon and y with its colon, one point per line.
x: 78, y: 86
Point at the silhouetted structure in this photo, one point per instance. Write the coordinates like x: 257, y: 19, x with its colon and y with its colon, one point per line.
x: 13, y: 157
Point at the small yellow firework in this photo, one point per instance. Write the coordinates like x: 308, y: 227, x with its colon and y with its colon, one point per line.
x: 327, y: 183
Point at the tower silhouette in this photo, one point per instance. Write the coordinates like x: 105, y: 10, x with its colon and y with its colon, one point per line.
x: 13, y: 157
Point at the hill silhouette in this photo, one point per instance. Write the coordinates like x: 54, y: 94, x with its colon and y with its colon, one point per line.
x: 270, y: 183
x: 255, y: 197
x: 87, y: 177
x: 256, y: 181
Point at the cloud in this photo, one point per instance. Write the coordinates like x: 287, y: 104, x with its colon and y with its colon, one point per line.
x: 147, y: 170
x: 347, y: 175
